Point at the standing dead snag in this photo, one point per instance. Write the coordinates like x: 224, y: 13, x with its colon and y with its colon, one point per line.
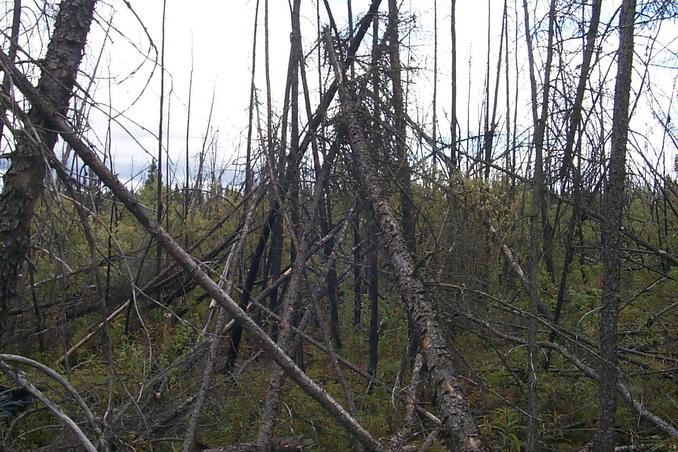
x: 611, y: 233
x: 22, y: 186
x: 461, y: 429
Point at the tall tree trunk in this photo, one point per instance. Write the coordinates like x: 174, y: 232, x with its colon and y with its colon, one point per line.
x: 575, y: 114
x: 159, y: 208
x: 373, y: 290
x: 434, y: 121
x: 13, y: 47
x: 405, y: 188
x: 453, y: 88
x: 22, y: 186
x: 575, y: 119
x: 487, y: 144
x: 187, y: 169
x: 538, y: 203
x: 611, y: 234
x: 451, y: 401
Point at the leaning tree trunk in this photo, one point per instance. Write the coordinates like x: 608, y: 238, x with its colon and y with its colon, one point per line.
x: 23, y: 181
x: 460, y: 427
x: 612, y: 229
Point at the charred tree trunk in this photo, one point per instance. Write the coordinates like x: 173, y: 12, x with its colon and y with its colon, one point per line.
x: 23, y: 181
x: 236, y: 333
x: 538, y: 202
x: 611, y: 235
x: 331, y: 279
x: 453, y: 87
x: 575, y: 114
x: 357, y: 269
x: 373, y: 289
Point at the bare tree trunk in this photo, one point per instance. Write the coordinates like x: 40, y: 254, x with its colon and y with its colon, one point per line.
x: 611, y: 235
x: 450, y: 398
x: 13, y: 46
x: 509, y: 164
x: 434, y: 121
x: 537, y: 203
x: 357, y: 268
x: 453, y: 81
x: 575, y: 114
x: 250, y: 113
x: 489, y: 142
x: 405, y: 189
x: 373, y: 289
x: 187, y: 186
x: 373, y: 241
x: 539, y: 120
x: 22, y: 183
x: 573, y: 125
x: 159, y: 208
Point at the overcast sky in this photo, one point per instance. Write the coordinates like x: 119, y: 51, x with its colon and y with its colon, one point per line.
x: 216, y: 36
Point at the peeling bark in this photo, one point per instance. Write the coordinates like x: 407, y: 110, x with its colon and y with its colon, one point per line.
x: 459, y: 425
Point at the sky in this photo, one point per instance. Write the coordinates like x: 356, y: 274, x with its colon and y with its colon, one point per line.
x: 214, y: 37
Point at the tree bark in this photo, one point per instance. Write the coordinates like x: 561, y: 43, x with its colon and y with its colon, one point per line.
x: 451, y: 400
x: 23, y: 180
x: 405, y: 188
x: 373, y: 290
x: 538, y: 203
x: 357, y: 268
x: 611, y: 234
x: 453, y: 87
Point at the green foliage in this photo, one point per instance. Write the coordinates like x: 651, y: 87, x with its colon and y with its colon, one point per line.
x: 502, y: 429
x: 458, y: 252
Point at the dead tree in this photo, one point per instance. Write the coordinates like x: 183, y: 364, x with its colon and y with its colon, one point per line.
x: 23, y: 180
x: 404, y: 177
x: 611, y: 234
x: 538, y: 202
x: 451, y: 400
x: 61, y: 126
